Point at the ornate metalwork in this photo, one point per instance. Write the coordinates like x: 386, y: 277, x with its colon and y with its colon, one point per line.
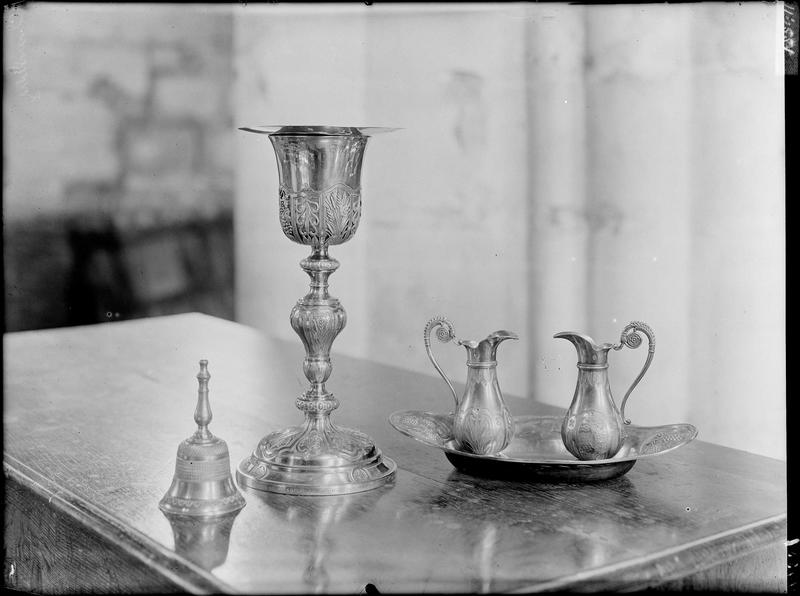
x: 482, y: 422
x: 537, y: 452
x: 633, y: 340
x: 320, y: 218
x: 593, y: 427
x: 444, y: 333
x: 319, y: 199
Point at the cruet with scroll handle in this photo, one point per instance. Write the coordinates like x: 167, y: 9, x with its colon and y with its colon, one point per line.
x: 482, y: 423
x: 593, y: 427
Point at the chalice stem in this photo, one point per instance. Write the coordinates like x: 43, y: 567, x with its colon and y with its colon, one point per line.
x: 318, y: 318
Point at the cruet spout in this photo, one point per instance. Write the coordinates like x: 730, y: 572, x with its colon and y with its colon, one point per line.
x: 486, y: 350
x: 589, y: 352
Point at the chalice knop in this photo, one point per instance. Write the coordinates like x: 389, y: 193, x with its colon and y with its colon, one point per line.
x: 319, y: 173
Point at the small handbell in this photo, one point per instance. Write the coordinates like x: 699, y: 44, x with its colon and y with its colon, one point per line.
x: 202, y: 484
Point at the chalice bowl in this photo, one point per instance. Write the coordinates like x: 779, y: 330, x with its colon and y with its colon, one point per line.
x: 319, y: 173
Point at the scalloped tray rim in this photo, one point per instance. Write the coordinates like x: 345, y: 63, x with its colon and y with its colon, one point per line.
x: 528, y: 417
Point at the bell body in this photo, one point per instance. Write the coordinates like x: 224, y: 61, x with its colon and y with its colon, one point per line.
x: 593, y: 427
x: 202, y: 484
x: 482, y: 423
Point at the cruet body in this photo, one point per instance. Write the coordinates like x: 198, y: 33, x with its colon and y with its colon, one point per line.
x: 593, y: 427
x: 482, y: 423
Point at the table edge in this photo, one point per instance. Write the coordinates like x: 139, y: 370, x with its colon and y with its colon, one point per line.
x: 638, y: 573
x: 169, y: 564
x: 633, y: 574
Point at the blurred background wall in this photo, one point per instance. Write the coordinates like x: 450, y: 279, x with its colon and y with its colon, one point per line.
x: 117, y: 163
x: 560, y: 168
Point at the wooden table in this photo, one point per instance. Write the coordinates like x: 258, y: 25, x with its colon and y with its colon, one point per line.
x: 93, y: 416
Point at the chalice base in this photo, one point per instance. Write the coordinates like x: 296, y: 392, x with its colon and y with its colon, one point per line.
x: 309, y: 460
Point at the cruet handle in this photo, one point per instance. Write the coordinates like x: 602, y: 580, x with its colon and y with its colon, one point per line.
x: 632, y: 339
x: 444, y: 334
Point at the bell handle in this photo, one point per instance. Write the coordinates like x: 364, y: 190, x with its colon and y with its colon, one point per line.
x: 632, y: 339
x: 444, y: 334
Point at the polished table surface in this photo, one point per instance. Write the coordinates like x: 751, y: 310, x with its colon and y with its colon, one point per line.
x: 93, y: 417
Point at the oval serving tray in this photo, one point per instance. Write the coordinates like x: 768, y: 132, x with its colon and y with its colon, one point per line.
x: 537, y: 452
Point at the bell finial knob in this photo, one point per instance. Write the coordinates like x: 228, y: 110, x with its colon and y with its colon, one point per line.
x: 202, y: 413
x: 202, y: 484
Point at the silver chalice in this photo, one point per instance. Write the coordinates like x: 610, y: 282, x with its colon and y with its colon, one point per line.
x: 319, y: 172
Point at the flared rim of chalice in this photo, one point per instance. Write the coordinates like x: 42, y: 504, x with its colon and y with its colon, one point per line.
x: 327, y: 131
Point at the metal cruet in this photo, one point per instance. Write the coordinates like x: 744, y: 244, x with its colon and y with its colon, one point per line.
x: 593, y: 427
x: 482, y: 423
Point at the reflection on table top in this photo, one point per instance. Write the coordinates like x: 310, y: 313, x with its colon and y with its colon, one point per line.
x: 93, y: 417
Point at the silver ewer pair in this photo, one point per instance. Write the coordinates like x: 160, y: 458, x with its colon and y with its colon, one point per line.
x: 593, y: 427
